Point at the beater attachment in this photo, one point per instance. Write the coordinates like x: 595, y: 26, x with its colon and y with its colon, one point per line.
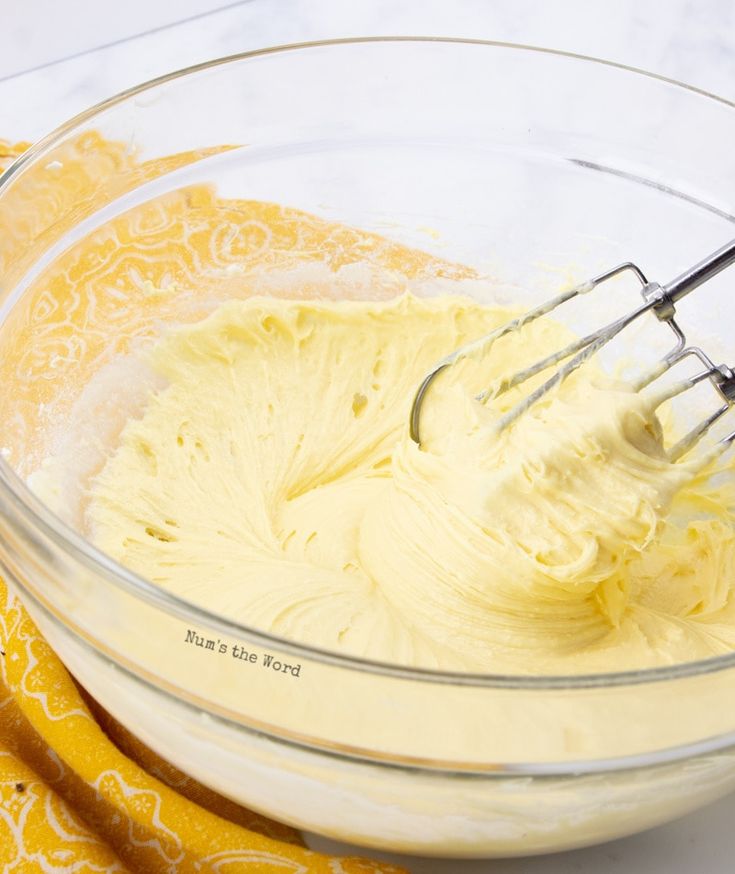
x: 659, y: 299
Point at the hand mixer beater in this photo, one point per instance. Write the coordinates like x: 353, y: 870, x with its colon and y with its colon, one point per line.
x: 659, y: 299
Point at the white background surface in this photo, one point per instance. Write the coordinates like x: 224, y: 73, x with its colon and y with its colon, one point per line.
x: 59, y: 56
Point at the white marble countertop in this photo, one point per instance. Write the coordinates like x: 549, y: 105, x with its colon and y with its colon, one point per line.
x: 59, y: 58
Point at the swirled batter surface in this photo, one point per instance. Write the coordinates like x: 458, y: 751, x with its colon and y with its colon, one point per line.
x: 271, y: 478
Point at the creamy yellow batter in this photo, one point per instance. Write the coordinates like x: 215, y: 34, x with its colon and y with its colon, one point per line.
x: 272, y: 479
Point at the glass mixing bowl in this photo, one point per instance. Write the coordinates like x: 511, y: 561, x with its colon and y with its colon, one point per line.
x: 517, y: 161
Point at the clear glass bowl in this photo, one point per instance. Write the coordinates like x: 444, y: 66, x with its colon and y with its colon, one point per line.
x: 515, y: 160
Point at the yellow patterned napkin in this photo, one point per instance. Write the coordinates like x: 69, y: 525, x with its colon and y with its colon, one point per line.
x: 79, y: 793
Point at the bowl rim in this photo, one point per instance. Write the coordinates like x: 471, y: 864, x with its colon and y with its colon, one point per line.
x: 38, y: 516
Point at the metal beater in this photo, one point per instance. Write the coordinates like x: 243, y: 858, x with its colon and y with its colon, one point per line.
x: 659, y: 299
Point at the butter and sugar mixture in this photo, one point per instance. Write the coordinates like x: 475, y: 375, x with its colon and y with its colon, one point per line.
x: 270, y: 477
